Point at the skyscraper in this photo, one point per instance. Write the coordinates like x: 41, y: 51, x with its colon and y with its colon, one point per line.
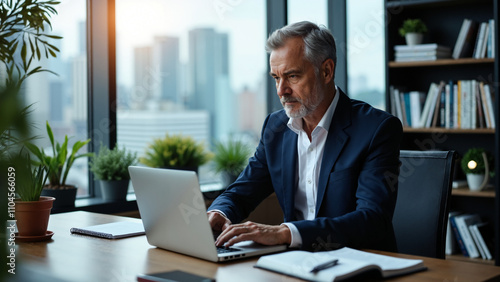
x: 143, y: 89
x: 209, y: 78
x: 166, y: 67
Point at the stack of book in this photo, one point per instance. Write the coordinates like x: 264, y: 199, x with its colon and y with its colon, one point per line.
x: 463, y: 104
x: 475, y: 40
x: 421, y: 52
x: 468, y: 234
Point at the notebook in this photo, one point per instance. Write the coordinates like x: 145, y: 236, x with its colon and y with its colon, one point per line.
x: 175, y: 217
x: 115, y: 230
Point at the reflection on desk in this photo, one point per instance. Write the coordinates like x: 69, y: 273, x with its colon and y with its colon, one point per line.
x: 72, y: 257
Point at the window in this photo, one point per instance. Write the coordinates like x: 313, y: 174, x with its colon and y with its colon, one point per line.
x: 195, y: 68
x: 62, y: 100
x: 365, y: 51
x: 306, y: 10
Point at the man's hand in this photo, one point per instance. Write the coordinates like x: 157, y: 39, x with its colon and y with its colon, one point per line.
x: 260, y: 233
x: 217, y: 221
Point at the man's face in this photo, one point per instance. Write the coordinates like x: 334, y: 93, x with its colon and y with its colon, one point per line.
x: 299, y: 89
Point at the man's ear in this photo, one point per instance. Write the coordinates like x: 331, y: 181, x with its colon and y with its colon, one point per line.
x: 328, y: 71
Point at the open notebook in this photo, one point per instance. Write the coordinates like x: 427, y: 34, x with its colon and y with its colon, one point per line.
x: 350, y: 263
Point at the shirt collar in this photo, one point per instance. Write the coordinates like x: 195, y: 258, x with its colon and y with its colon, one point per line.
x: 295, y: 124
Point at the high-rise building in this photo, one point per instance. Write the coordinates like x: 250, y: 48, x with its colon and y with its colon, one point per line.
x: 166, y: 68
x: 209, y: 78
x: 56, y: 101
x: 143, y: 78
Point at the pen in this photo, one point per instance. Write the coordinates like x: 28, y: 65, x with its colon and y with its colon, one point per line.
x: 325, y: 265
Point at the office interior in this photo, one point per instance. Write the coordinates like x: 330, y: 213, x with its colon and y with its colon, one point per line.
x: 132, y: 71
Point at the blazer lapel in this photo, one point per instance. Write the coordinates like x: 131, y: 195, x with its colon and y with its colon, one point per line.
x: 335, y: 142
x: 289, y: 172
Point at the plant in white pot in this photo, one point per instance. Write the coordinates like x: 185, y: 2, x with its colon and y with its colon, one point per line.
x: 110, y: 167
x: 476, y: 164
x: 413, y: 31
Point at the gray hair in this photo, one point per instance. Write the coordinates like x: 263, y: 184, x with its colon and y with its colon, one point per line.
x: 319, y: 43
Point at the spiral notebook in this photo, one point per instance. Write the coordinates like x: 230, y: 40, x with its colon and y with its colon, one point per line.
x: 115, y: 230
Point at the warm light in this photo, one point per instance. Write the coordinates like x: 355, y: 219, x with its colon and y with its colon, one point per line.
x: 472, y: 165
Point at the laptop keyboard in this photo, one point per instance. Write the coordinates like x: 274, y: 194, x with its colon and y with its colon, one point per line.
x: 222, y: 250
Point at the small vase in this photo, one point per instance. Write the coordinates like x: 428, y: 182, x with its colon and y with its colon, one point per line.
x: 475, y: 181
x: 413, y: 38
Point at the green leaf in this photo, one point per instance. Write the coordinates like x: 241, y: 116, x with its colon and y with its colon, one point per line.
x: 51, y: 137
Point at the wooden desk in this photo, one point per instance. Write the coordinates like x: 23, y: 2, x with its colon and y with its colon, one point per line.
x: 71, y: 257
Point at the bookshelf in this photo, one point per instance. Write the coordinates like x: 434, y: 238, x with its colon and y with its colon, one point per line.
x: 444, y: 19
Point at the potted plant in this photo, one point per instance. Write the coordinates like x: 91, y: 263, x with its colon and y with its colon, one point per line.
x: 230, y: 159
x: 176, y: 152
x: 32, y: 211
x: 59, y: 164
x: 413, y: 30
x: 476, y: 164
x: 110, y: 167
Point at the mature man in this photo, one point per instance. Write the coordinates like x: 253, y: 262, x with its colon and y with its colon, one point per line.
x: 326, y: 157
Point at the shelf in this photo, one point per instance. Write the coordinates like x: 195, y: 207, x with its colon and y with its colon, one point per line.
x: 441, y: 62
x: 433, y: 3
x: 449, y: 130
x: 469, y: 193
x: 460, y: 257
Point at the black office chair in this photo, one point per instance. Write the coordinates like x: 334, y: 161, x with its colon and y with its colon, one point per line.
x: 421, y: 214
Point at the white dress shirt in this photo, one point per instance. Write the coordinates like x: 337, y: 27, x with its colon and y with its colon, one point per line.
x: 310, y: 155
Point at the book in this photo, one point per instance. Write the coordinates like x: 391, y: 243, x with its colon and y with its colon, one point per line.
x: 428, y: 104
x: 115, y: 230
x: 451, y: 242
x: 351, y: 263
x: 481, y: 35
x: 476, y: 241
x: 417, y: 99
x: 460, y: 38
x: 443, y: 54
x: 420, y: 58
x: 484, y: 103
x: 421, y: 48
x: 491, y: 39
x: 463, y: 222
x: 458, y: 237
x: 172, y: 276
x: 489, y: 102
x: 485, y: 236
x: 464, y: 45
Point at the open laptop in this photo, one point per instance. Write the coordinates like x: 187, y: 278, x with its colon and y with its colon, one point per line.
x: 174, y: 216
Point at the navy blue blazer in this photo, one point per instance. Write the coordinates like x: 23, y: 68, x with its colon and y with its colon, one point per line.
x: 356, y: 192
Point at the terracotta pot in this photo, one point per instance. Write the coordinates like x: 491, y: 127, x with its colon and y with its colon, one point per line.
x: 33, y: 217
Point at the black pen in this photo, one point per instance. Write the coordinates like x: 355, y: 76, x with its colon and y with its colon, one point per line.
x: 325, y: 265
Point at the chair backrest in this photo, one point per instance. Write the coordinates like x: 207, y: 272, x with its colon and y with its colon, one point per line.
x: 421, y: 214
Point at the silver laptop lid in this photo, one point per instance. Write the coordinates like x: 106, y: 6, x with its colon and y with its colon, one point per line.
x: 173, y: 211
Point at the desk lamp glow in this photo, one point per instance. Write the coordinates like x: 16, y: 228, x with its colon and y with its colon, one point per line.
x: 472, y: 164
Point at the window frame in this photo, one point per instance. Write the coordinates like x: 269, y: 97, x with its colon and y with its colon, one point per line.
x: 101, y: 54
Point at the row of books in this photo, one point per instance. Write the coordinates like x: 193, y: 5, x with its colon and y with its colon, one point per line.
x: 421, y: 52
x: 464, y: 104
x: 475, y: 40
x: 469, y: 235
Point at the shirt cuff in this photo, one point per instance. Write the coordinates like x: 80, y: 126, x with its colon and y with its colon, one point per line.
x: 221, y: 213
x: 296, y: 241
